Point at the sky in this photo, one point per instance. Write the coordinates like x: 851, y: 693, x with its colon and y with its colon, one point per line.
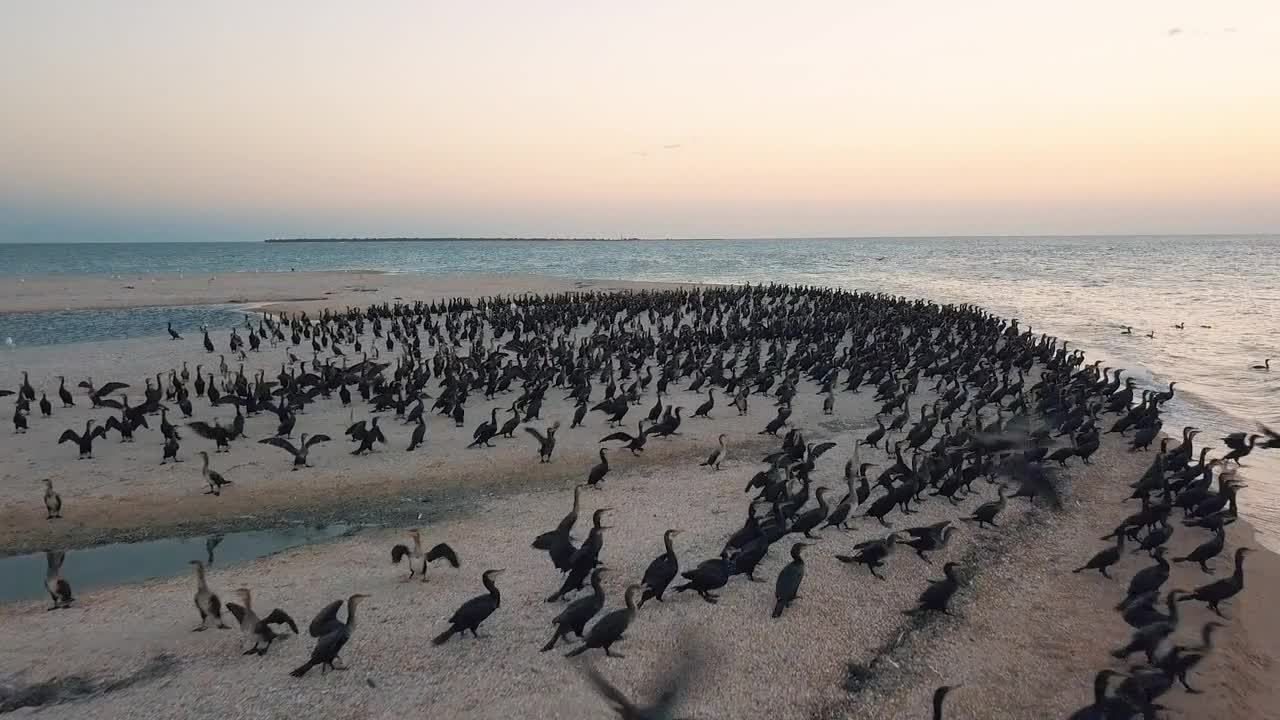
x: 193, y: 121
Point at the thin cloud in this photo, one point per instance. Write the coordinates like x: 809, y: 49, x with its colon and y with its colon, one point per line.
x: 1174, y: 31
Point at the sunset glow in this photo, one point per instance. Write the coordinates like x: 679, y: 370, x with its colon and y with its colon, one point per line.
x: 239, y: 121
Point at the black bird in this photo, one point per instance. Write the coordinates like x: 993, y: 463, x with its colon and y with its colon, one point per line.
x: 577, y: 614
x: 707, y: 576
x: 332, y: 635
x: 1221, y: 590
x: 985, y: 514
x: 299, y: 453
x: 661, y: 571
x: 546, y: 443
x: 787, y: 588
x: 1104, y: 559
x: 611, y: 628
x: 84, y: 441
x: 474, y: 611
x: 937, y: 596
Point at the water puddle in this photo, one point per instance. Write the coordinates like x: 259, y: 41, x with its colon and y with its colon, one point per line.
x: 22, y: 576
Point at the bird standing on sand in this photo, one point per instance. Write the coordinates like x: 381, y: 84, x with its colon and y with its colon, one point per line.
x: 333, y: 635
x: 207, y: 602
x: 474, y: 611
x: 52, y: 501
x: 212, y: 477
x: 441, y: 550
x: 258, y: 629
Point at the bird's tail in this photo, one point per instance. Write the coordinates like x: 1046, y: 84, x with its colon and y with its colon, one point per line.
x: 577, y: 651
x: 551, y: 643
x: 777, y: 609
x: 443, y: 637
x: 1181, y: 559
x: 303, y: 668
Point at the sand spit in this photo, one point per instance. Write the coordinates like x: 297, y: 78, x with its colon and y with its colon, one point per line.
x: 1030, y: 637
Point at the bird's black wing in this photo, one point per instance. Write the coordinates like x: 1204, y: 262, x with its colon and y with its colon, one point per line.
x: 540, y: 437
x: 237, y: 611
x: 279, y: 617
x: 109, y: 388
x: 818, y: 450
x: 280, y: 443
x: 71, y: 435
x: 442, y: 550
x: 326, y: 620
x: 317, y: 439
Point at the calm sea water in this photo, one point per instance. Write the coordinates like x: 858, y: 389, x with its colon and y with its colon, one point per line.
x: 1080, y: 289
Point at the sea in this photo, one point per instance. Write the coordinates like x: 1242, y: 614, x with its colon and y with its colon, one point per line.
x: 1223, y: 291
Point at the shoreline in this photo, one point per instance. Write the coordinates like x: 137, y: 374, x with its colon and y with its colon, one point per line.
x: 282, y: 291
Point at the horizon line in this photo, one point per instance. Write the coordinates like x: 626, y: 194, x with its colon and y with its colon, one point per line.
x: 759, y: 238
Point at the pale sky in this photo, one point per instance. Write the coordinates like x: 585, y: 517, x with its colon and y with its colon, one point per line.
x: 190, y: 120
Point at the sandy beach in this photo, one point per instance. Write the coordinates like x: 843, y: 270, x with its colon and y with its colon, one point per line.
x: 1030, y: 637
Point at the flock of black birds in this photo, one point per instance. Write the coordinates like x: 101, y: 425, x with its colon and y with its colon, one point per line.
x: 1010, y: 408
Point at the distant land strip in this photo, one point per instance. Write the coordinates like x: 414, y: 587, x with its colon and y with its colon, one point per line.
x: 461, y: 239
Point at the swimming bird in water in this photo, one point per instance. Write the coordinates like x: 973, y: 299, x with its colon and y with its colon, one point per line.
x: 1266, y: 365
x: 58, y: 588
x: 52, y: 501
x: 332, y: 635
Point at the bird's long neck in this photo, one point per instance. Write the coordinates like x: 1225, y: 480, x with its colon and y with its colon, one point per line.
x: 417, y: 544
x: 492, y: 587
x: 351, y: 612
x: 200, y: 581
x: 1238, y: 576
x: 666, y: 540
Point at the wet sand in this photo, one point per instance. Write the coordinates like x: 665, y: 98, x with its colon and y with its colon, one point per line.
x: 1031, y: 636
x: 279, y: 290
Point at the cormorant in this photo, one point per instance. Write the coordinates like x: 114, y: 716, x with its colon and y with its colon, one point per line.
x: 212, y: 477
x: 1206, y: 550
x: 661, y: 571
x: 58, y: 588
x: 610, y: 628
x: 985, y: 514
x: 300, y: 452
x: 332, y: 635
x: 546, y: 443
x: 258, y: 629
x: 207, y: 603
x: 1221, y: 590
x: 441, y: 550
x: 599, y: 471
x: 1104, y: 559
x: 474, y: 611
x: 707, y: 576
x: 717, y: 456
x: 937, y: 596
x: 577, y: 614
x: 787, y: 588
x: 52, y: 501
